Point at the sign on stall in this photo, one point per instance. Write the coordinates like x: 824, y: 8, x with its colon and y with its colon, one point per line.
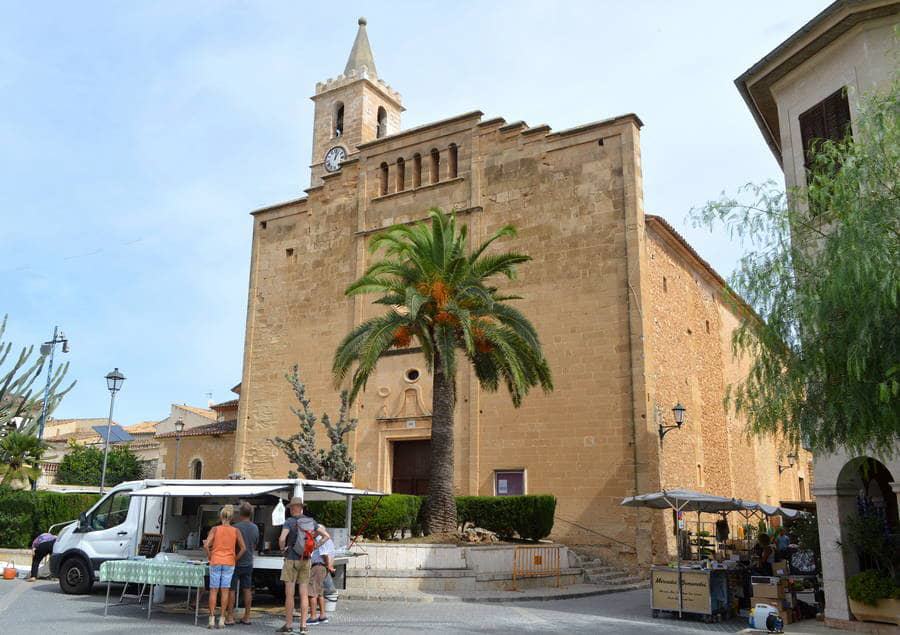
x: 694, y: 590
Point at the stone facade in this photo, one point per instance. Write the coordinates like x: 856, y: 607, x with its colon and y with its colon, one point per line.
x: 575, y: 197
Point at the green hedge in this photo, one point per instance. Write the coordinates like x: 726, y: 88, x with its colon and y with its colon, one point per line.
x: 531, y: 517
x: 527, y: 517
x: 24, y: 514
x: 397, y: 512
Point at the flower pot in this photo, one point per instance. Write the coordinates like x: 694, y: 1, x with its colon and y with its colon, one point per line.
x: 887, y: 610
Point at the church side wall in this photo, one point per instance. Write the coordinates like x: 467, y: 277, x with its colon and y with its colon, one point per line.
x: 713, y: 451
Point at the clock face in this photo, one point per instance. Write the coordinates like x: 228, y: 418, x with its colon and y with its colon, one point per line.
x: 334, y: 158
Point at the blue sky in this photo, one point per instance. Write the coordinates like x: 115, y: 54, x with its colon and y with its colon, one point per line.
x: 135, y: 138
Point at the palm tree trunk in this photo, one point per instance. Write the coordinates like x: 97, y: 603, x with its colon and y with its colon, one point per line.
x: 440, y: 506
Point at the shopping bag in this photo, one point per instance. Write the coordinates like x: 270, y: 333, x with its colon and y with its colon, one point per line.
x: 278, y: 514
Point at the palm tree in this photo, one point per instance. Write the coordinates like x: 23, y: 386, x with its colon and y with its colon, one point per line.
x: 442, y: 296
x: 19, y: 457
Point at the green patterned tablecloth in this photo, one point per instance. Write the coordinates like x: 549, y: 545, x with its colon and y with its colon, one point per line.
x: 153, y: 572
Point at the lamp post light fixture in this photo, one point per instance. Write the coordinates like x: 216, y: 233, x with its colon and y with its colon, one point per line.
x: 678, y: 416
x: 792, y: 458
x: 179, y: 428
x: 114, y: 381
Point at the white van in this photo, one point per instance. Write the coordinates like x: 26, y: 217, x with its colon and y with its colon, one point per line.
x: 150, y: 516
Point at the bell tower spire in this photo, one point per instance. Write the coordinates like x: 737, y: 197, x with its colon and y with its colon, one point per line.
x: 351, y: 109
x: 361, y: 54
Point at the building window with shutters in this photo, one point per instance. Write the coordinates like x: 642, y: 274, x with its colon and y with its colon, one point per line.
x: 509, y: 482
x: 829, y: 120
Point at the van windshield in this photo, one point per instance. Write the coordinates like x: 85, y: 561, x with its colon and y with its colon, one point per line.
x: 112, y: 511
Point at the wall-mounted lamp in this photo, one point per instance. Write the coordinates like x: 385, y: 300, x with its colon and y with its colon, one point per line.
x: 678, y: 415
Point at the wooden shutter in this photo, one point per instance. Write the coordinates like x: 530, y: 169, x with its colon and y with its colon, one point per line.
x: 829, y: 119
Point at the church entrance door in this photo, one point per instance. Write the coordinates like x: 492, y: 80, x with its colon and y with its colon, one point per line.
x: 410, y: 470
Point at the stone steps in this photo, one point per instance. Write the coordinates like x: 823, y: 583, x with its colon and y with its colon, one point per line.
x: 612, y: 579
x: 616, y: 579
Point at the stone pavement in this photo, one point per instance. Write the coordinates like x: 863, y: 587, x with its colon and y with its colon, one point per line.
x: 41, y: 607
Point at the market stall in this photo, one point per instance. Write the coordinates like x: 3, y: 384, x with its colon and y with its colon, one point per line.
x: 712, y: 576
x: 681, y: 500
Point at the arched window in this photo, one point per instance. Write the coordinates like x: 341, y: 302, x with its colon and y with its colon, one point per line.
x: 196, y: 469
x: 401, y: 174
x: 417, y: 170
x: 383, y: 179
x: 382, y: 122
x: 452, y: 157
x: 338, y: 119
x: 435, y: 165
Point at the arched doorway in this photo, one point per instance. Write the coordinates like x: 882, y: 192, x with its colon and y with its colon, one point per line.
x: 196, y: 469
x: 852, y: 492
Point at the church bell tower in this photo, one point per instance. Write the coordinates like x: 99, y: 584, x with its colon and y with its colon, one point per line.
x: 351, y: 109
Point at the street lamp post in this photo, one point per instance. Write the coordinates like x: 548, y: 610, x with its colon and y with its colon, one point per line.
x: 114, y: 382
x: 179, y: 428
x: 678, y: 415
x: 48, y: 348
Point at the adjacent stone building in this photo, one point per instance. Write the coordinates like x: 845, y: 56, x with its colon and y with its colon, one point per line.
x: 810, y: 87
x: 632, y: 319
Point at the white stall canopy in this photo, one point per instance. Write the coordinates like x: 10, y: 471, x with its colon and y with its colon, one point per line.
x: 202, y: 489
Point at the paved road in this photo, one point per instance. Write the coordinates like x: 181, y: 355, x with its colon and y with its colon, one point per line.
x: 42, y: 608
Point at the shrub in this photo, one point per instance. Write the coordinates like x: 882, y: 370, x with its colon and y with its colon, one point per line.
x: 83, y: 466
x: 528, y: 517
x: 24, y: 514
x: 397, y: 512
x: 870, y: 586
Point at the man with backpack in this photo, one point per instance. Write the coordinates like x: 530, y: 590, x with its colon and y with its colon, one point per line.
x: 297, y: 541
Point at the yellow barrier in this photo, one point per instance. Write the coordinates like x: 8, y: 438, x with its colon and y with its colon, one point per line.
x: 535, y: 562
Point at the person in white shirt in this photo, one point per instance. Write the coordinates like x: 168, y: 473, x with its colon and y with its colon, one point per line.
x: 322, y: 564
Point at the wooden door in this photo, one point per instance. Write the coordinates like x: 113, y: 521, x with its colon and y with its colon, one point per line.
x: 410, y: 471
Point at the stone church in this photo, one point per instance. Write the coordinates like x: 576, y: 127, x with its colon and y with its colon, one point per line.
x: 633, y: 320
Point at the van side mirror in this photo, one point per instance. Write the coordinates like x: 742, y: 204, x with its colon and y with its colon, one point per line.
x: 82, y: 521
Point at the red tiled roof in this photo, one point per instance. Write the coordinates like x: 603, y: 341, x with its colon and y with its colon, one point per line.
x: 213, y: 429
x: 231, y: 403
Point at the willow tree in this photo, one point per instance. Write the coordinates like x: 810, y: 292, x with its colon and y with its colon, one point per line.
x: 21, y: 394
x: 823, y: 272
x: 442, y: 297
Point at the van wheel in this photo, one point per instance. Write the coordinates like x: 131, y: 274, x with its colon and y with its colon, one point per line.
x: 75, y: 577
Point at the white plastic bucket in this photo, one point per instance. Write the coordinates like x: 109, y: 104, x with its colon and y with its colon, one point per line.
x: 330, y: 602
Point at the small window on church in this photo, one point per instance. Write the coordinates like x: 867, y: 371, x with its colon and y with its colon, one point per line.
x: 417, y: 170
x: 452, y: 157
x: 401, y: 174
x: 383, y: 180
x: 382, y: 122
x: 435, y: 165
x: 338, y: 119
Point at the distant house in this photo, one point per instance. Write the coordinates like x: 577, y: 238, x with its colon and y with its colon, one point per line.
x: 205, y: 450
